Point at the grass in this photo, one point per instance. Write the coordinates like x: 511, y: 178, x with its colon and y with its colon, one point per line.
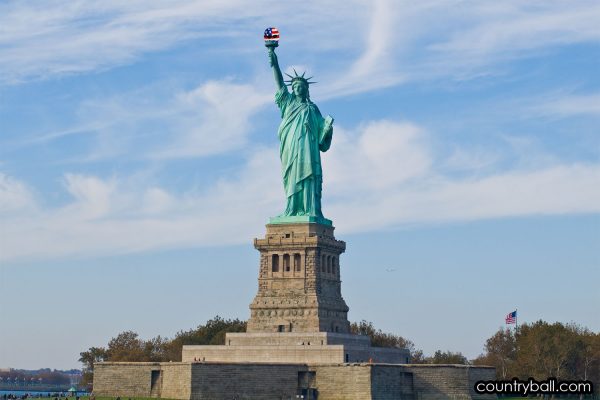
x: 101, y: 398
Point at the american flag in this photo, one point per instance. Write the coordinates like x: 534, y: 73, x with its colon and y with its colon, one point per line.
x: 511, y: 318
x: 272, y: 34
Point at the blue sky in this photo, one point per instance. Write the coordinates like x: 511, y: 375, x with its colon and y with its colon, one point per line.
x: 138, y: 160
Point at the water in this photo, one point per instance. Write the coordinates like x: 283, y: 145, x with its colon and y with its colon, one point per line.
x: 34, y: 393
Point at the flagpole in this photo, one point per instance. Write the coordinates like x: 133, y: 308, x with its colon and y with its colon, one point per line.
x: 516, y: 321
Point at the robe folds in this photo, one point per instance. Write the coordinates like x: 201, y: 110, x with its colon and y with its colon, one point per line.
x: 301, y: 139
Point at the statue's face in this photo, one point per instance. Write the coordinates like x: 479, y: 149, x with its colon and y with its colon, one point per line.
x: 300, y: 89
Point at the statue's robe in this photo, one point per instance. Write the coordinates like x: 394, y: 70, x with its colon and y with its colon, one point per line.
x: 301, y: 137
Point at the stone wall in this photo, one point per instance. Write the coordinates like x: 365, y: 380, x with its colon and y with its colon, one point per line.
x: 433, y: 382
x: 375, y: 355
x: 134, y: 379
x: 295, y: 348
x: 481, y: 374
x: 176, y: 382
x: 122, y: 379
x: 343, y: 382
x: 389, y: 355
x: 295, y: 338
x: 281, y: 339
x: 265, y: 354
x: 333, y: 381
x: 304, y: 354
x: 244, y: 381
x: 391, y: 382
x: 348, y: 339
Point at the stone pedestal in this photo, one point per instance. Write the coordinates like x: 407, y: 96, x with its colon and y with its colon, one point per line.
x: 298, y: 314
x: 299, y: 285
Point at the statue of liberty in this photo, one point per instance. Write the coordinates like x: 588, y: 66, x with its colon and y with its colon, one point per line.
x: 303, y: 134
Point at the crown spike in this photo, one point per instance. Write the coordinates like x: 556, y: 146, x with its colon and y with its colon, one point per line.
x: 303, y: 74
x: 291, y: 77
x: 295, y: 72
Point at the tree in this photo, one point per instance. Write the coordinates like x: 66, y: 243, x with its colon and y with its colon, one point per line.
x: 545, y: 350
x: 155, y: 349
x: 211, y: 333
x: 126, y: 346
x: 447, y: 357
x: 501, y: 352
x: 380, y: 338
x: 586, y: 361
x: 93, y: 355
x: 417, y: 357
x: 88, y: 358
x: 541, y: 350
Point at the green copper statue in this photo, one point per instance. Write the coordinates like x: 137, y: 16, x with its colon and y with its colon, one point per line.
x: 303, y: 134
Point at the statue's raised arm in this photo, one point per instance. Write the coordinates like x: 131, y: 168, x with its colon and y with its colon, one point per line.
x: 272, y: 41
x: 275, y: 65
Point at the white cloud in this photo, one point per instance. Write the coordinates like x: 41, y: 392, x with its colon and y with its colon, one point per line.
x: 373, y: 68
x: 561, y: 189
x: 14, y: 195
x: 509, y: 27
x: 93, y: 197
x: 382, y: 175
x: 58, y: 37
x: 377, y: 176
x: 568, y: 105
x: 121, y: 215
x: 375, y: 45
x: 64, y: 37
x: 157, y: 201
x: 377, y: 155
x: 212, y: 119
x: 471, y: 159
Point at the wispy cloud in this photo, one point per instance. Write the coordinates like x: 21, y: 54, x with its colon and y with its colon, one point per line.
x: 483, y: 36
x: 16, y: 195
x: 121, y: 215
x: 510, y: 27
x: 472, y: 159
x: 376, y: 155
x: 564, y: 105
x: 42, y: 40
x: 377, y: 176
x: 383, y: 175
x: 387, y: 167
x: 385, y: 43
x: 556, y: 190
x: 374, y: 68
x: 64, y: 37
x: 212, y: 118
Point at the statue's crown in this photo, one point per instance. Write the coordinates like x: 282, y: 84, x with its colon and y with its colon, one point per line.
x: 297, y: 78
